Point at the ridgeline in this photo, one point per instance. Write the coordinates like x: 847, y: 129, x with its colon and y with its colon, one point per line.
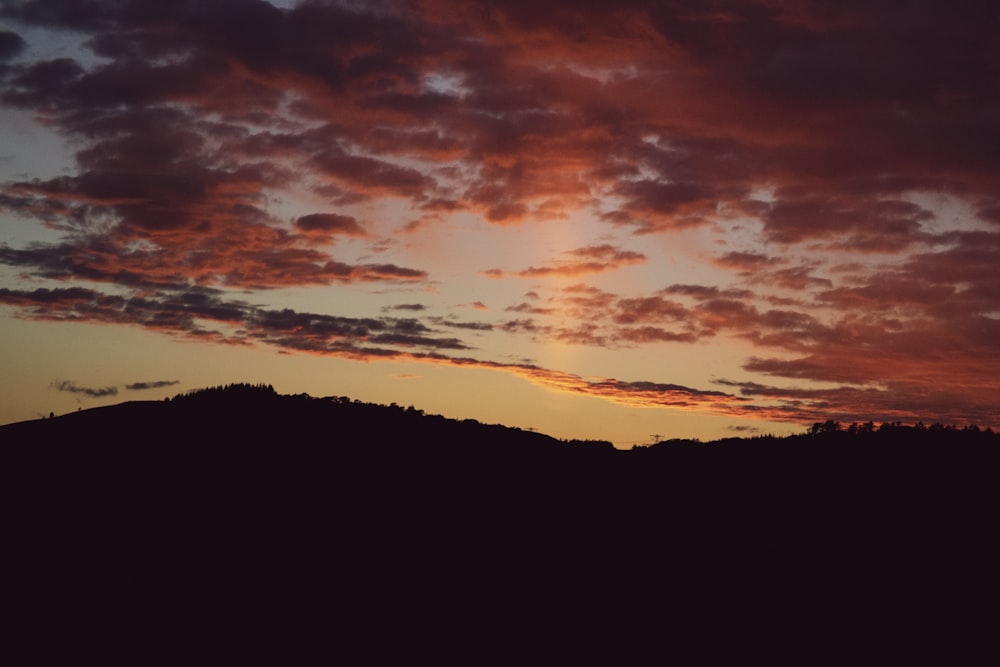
x: 252, y: 502
x: 245, y: 414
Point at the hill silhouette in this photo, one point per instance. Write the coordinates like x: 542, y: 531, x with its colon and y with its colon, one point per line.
x: 249, y: 501
x: 257, y: 415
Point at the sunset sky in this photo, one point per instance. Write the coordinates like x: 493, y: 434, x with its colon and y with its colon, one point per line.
x: 606, y: 220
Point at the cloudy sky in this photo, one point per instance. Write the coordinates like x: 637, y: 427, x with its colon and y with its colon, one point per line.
x: 689, y: 218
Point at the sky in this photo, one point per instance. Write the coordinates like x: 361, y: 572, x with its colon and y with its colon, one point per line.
x: 626, y: 220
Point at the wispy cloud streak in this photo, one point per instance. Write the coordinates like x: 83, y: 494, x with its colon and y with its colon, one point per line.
x: 155, y: 384
x: 91, y: 392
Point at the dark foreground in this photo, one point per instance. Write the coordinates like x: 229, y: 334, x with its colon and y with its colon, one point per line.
x: 238, y: 513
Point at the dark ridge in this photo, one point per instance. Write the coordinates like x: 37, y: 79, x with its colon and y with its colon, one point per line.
x: 243, y: 415
x: 240, y: 502
x: 257, y: 414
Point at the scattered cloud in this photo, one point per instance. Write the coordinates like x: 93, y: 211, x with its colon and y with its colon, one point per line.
x: 525, y: 307
x: 457, y: 324
x: 327, y: 225
x: 91, y: 392
x: 155, y: 384
x: 748, y: 262
x: 574, y: 263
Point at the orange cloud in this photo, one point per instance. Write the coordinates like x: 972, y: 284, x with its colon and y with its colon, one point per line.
x: 592, y: 259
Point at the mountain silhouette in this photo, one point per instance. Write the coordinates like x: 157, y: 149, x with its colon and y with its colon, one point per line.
x: 240, y: 501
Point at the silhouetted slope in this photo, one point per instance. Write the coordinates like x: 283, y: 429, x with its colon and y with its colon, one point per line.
x: 246, y: 415
x: 241, y: 502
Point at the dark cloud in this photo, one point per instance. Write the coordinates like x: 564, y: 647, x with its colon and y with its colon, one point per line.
x: 325, y: 225
x: 525, y: 307
x: 744, y: 261
x: 156, y: 384
x: 43, y: 296
x: 526, y: 325
x: 408, y: 340
x: 263, y: 258
x: 798, y: 278
x: 659, y: 393
x: 10, y: 44
x: 370, y: 176
x: 649, y: 309
x: 457, y: 324
x: 655, y: 205
x: 208, y: 313
x: 706, y: 292
x: 848, y: 403
x: 650, y: 334
x: 869, y: 224
x: 91, y: 392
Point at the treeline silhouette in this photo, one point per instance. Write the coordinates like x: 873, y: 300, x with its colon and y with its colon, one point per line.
x: 867, y: 433
x: 244, y: 499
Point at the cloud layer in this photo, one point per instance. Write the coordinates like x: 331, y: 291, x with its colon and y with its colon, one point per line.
x: 844, y: 159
